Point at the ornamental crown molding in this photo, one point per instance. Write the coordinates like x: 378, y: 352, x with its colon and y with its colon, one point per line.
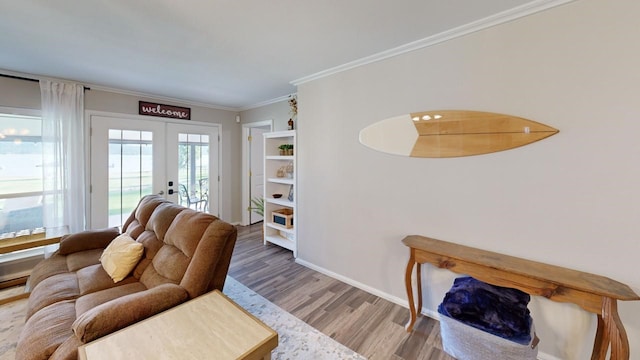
x: 490, y: 21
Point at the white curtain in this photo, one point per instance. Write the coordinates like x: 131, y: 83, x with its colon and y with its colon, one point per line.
x: 63, y: 155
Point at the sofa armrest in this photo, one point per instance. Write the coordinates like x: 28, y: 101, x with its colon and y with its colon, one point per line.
x: 119, y: 313
x: 87, y: 240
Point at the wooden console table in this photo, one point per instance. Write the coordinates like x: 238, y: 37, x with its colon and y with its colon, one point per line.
x: 209, y: 326
x: 596, y: 294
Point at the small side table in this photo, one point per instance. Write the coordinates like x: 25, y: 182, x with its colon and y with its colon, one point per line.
x: 209, y: 326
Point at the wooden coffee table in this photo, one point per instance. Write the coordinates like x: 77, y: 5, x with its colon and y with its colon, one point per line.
x: 207, y: 327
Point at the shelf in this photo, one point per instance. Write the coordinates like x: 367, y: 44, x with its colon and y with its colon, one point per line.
x: 281, y: 202
x: 280, y: 134
x: 273, y: 232
x: 281, y: 228
x: 281, y: 241
x: 286, y: 181
x: 279, y: 157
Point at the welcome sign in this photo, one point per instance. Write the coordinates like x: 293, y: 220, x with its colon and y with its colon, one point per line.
x: 153, y: 109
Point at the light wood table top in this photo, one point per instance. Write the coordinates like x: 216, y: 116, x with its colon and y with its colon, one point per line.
x: 211, y: 326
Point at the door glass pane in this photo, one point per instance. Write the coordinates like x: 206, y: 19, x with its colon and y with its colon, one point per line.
x: 193, y: 171
x: 130, y: 171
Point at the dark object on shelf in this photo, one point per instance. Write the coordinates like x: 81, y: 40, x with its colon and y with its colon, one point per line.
x: 277, y: 196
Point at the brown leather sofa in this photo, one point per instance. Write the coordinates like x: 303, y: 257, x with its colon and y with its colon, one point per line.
x: 74, y: 301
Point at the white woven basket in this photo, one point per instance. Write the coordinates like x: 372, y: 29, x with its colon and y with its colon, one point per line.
x: 465, y: 342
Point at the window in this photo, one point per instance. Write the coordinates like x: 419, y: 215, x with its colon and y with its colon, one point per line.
x: 193, y: 170
x: 130, y: 171
x: 21, y: 184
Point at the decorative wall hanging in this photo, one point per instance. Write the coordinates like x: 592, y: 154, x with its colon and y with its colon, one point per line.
x: 452, y: 133
x: 170, y: 111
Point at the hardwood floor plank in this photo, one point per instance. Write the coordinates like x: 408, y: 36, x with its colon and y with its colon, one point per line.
x: 367, y: 324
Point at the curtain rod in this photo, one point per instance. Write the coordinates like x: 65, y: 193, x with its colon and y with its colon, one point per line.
x: 30, y: 79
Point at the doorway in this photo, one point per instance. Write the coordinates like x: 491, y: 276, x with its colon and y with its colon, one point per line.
x: 253, y: 167
x: 134, y: 156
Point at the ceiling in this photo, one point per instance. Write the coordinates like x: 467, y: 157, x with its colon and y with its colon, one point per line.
x: 231, y: 54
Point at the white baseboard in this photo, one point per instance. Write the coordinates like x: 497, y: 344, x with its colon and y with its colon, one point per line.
x: 394, y: 299
x: 544, y: 356
x: 359, y: 285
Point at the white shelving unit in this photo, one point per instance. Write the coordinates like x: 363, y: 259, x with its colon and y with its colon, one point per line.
x: 273, y: 184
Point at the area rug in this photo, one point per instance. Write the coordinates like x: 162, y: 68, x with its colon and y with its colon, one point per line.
x: 296, y: 339
x: 11, y: 324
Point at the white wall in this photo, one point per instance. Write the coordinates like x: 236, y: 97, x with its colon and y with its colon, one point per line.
x: 279, y: 112
x: 19, y: 93
x: 571, y: 200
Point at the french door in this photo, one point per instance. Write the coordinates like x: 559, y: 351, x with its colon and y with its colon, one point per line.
x: 192, y: 166
x: 134, y: 157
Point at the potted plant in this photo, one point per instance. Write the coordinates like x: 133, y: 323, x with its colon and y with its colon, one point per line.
x: 283, y: 149
x: 289, y: 149
x: 258, y: 205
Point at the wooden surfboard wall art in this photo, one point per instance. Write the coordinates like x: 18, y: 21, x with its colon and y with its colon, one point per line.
x: 452, y: 133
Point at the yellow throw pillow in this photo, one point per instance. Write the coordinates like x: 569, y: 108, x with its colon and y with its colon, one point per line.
x: 121, y: 256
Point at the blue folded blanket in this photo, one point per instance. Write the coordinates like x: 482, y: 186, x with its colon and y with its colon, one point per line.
x: 497, y: 310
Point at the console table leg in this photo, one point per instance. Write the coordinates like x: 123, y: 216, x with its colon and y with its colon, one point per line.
x: 601, y: 343
x: 618, y: 336
x: 407, y: 282
x: 610, y: 332
x: 419, y: 288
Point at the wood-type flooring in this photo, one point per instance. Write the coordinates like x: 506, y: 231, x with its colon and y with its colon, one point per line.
x: 365, y: 323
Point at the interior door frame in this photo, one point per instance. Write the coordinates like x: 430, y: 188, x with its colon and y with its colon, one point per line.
x: 246, y: 202
x: 88, y: 114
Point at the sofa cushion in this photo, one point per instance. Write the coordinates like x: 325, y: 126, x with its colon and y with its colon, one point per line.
x: 170, y: 263
x: 51, y: 290
x: 151, y: 247
x: 137, y: 221
x: 126, y: 310
x: 46, y: 330
x: 83, y: 259
x: 87, y: 240
x: 162, y: 218
x: 56, y: 264
x: 93, y: 278
x: 92, y: 300
x: 211, y: 259
x: 121, y: 256
x: 187, y: 230
x: 68, y: 350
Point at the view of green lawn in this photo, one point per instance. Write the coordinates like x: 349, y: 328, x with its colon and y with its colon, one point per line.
x: 20, y: 185
x: 125, y: 192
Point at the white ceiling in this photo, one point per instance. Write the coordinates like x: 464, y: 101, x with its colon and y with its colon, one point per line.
x: 225, y: 53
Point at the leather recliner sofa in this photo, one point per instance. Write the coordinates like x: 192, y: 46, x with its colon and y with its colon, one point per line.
x: 74, y: 300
